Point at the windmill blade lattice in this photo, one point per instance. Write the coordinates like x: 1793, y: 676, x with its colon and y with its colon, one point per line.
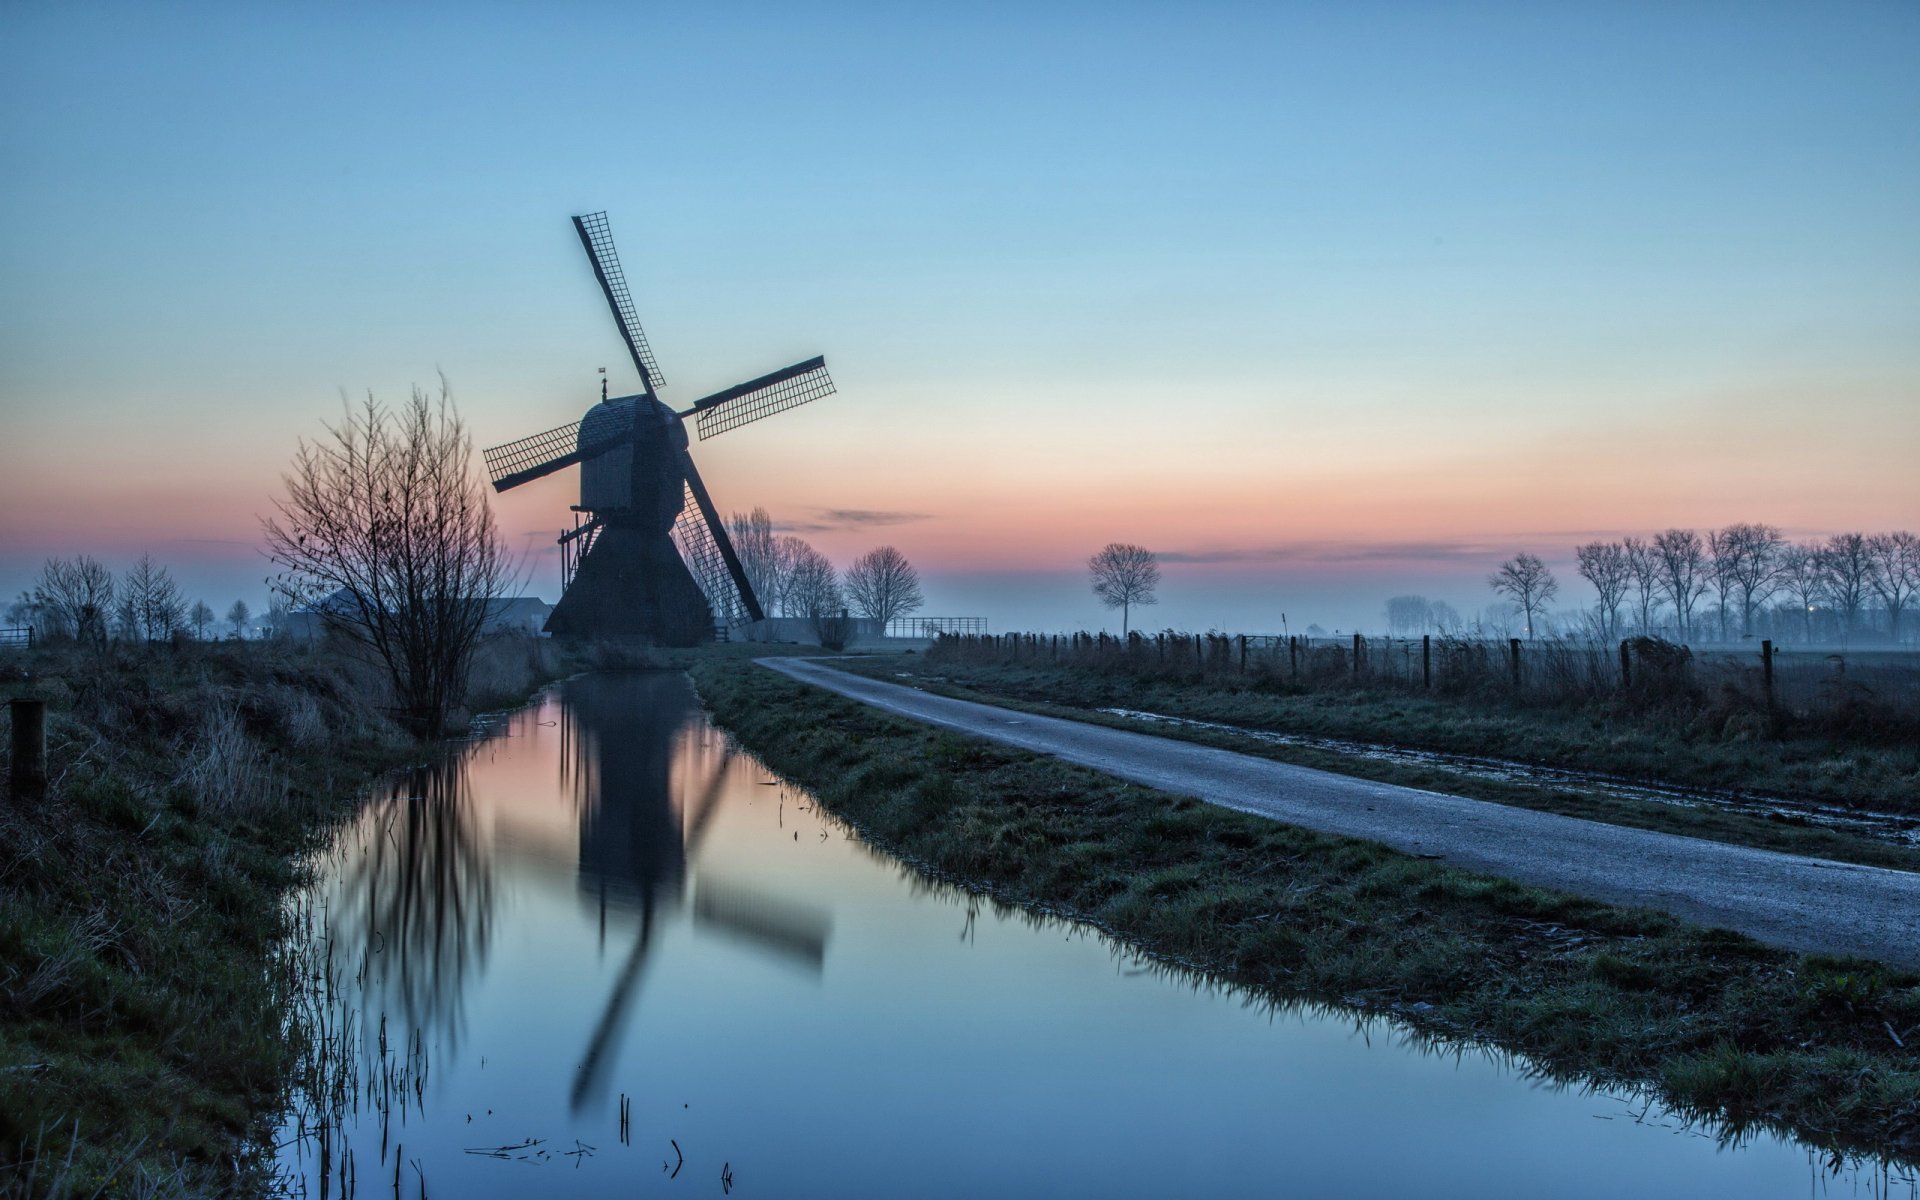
x: 529, y: 458
x: 702, y: 554
x: 597, y: 236
x: 789, y: 387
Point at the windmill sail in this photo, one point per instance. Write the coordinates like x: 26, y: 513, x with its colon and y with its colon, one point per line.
x: 544, y: 453
x: 776, y: 392
x: 597, y: 236
x: 708, y: 552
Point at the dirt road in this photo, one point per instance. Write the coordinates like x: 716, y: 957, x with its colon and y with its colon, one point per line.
x: 1801, y: 903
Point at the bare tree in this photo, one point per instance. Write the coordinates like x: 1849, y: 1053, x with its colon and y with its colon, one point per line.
x: 1803, y: 576
x: 1605, y: 566
x: 1445, y: 617
x: 1682, y: 558
x: 1125, y: 575
x: 1849, y: 570
x: 758, y: 549
x: 788, y: 550
x: 814, y: 590
x: 1895, y: 563
x: 883, y: 585
x: 1752, y: 562
x: 1526, y: 581
x: 385, y: 523
x: 151, y: 602
x: 75, y: 597
x: 1408, y: 615
x: 200, y: 616
x: 237, y: 617
x: 1643, y: 565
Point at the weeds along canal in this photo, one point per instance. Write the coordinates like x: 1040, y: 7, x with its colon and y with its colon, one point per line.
x: 602, y: 950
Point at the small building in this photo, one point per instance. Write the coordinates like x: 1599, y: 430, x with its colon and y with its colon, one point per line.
x: 507, y: 614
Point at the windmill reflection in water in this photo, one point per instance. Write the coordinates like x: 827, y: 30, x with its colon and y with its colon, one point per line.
x: 640, y: 851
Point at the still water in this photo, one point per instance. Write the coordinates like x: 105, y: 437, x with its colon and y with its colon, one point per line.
x: 603, y: 952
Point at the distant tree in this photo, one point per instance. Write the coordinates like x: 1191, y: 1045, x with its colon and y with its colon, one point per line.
x: 1683, y: 561
x: 126, y: 618
x: 757, y: 546
x: 237, y: 617
x: 1803, y: 577
x: 1643, y: 567
x: 1605, y: 566
x: 154, y: 604
x: 1752, y: 561
x: 1125, y: 575
x: 1445, y: 617
x: 883, y: 585
x: 75, y: 597
x: 386, y: 522
x: 1848, y: 566
x: 1894, y: 561
x: 814, y: 590
x: 1526, y: 581
x: 276, y: 618
x: 788, y: 551
x: 1407, y: 615
x: 26, y: 611
x: 199, y: 617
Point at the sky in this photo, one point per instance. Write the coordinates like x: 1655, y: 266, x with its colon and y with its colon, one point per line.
x: 1324, y: 303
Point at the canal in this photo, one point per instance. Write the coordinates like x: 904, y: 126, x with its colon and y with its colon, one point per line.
x: 602, y: 951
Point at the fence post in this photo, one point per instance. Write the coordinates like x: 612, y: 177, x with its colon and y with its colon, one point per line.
x: 1426, y: 660
x: 1766, y: 668
x: 1243, y: 654
x: 1626, y: 667
x: 28, y: 779
x: 1513, y: 656
x: 1199, y: 655
x: 1356, y: 656
x: 1293, y: 654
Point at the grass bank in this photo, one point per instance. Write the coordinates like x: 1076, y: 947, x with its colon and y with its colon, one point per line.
x: 143, y: 1040
x: 1819, y: 771
x: 1717, y: 1025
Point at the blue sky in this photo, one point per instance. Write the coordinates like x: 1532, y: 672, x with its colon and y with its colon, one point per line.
x: 1253, y: 285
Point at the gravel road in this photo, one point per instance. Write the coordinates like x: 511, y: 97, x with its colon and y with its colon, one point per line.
x: 1805, y: 904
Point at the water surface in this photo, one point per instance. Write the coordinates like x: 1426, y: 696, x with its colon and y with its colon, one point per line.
x: 604, y: 909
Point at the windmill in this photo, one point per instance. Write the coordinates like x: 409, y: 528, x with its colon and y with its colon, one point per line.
x: 648, y: 554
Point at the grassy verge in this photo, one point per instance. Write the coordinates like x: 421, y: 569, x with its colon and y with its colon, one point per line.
x: 143, y: 1039
x: 1714, y: 1023
x: 1884, y: 778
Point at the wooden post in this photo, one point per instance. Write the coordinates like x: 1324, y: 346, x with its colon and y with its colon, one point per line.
x: 1293, y: 654
x: 28, y: 779
x: 1426, y: 660
x: 1626, y: 667
x: 1513, y: 656
x: 1356, y: 656
x: 1766, y: 668
x: 1199, y: 655
x: 1243, y: 654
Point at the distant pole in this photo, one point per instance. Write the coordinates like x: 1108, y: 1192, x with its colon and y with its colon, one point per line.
x: 1766, y: 668
x: 28, y: 779
x: 1626, y: 667
x: 1243, y: 654
x: 1356, y: 656
x: 1293, y: 654
x: 1513, y: 659
x: 1426, y: 660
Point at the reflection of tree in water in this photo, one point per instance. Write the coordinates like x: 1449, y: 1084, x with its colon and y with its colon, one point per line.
x: 420, y: 899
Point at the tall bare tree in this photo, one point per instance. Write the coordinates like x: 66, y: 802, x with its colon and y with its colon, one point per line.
x: 1895, y: 565
x: 199, y: 617
x: 1752, y: 552
x: 758, y: 549
x: 237, y: 617
x: 1683, y: 560
x: 1605, y: 566
x: 152, y: 602
x: 1803, y: 577
x: 1643, y: 565
x: 75, y: 597
x: 1528, y: 582
x: 883, y: 585
x: 1125, y: 576
x: 1849, y: 568
x: 1407, y: 615
x: 788, y: 551
x: 814, y: 588
x: 385, y: 527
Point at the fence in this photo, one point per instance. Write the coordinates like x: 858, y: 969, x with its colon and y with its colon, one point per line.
x: 933, y: 627
x: 16, y: 637
x: 1881, y: 683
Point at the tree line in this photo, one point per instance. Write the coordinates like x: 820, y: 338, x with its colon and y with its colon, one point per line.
x: 793, y: 579
x: 1741, y: 581
x: 82, y: 600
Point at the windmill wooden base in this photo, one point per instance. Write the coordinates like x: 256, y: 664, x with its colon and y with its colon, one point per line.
x: 633, y: 583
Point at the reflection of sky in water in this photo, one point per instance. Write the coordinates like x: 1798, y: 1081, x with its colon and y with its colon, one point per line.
x: 603, y: 900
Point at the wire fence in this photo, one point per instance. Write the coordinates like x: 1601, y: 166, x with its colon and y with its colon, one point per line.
x: 1823, y: 687
x: 16, y: 637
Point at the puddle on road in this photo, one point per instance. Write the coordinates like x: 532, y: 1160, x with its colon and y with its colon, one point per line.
x: 603, y: 952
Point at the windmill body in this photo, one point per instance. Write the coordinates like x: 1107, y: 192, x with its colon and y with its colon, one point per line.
x: 654, y: 559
